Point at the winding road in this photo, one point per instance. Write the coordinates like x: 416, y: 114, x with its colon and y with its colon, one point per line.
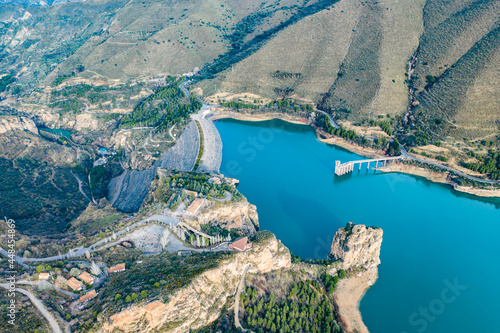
x: 410, y: 157
x: 237, y: 302
x: 108, y: 241
x: 39, y: 305
x: 80, y: 186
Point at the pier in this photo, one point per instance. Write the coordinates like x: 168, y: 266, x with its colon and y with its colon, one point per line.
x: 343, y: 168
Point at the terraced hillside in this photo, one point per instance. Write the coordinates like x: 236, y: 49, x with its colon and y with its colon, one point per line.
x: 128, y: 39
x: 458, y: 70
x: 353, y: 57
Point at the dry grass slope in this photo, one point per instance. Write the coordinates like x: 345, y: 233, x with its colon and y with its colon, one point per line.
x: 456, y: 105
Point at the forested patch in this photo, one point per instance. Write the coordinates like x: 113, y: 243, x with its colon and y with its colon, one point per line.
x: 486, y: 164
x: 306, y: 309
x: 166, y: 107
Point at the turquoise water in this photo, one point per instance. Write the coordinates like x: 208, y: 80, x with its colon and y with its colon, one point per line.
x: 57, y: 131
x: 433, y: 237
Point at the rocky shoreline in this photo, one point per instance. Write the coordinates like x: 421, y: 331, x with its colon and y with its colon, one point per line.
x: 366, y: 152
x: 357, y: 247
x: 442, y: 178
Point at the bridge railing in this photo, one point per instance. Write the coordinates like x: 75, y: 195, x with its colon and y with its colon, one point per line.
x: 343, y: 168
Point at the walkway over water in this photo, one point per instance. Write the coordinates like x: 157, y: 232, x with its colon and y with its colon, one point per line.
x: 342, y: 169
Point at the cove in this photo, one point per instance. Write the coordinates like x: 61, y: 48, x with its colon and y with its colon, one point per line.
x: 439, y: 270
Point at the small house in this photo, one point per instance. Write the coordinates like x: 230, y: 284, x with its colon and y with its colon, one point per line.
x: 240, y: 244
x: 87, y: 278
x: 117, y: 268
x: 74, y: 284
x: 88, y: 296
x: 43, y: 276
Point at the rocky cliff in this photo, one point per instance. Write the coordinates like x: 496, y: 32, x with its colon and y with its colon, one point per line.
x: 357, y: 246
x: 201, y: 302
x: 239, y: 215
x: 12, y: 123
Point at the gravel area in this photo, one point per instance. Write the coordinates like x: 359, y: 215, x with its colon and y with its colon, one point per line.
x: 183, y: 155
x: 127, y: 191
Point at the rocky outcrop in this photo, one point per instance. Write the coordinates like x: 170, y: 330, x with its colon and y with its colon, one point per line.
x: 13, y: 123
x: 357, y: 246
x: 200, y: 303
x: 240, y: 215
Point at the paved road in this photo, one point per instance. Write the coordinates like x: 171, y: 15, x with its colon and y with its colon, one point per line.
x: 226, y: 198
x: 39, y: 305
x: 100, y: 244
x: 204, y: 105
x: 44, y: 283
x: 108, y: 241
x: 408, y: 156
x: 334, y: 124
x: 18, y: 259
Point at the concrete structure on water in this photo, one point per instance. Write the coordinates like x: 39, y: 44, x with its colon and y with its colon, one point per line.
x: 342, y: 169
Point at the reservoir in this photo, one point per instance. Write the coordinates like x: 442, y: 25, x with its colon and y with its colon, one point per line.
x: 440, y: 252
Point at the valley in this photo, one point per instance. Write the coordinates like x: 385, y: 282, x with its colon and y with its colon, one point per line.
x: 177, y: 166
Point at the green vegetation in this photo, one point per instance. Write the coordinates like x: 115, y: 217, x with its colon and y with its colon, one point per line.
x: 28, y: 318
x: 167, y: 106
x: 385, y: 125
x: 140, y: 281
x: 63, y: 77
x: 215, y: 229
x: 71, y: 105
x: 282, y: 105
x: 5, y: 81
x: 100, y: 176
x: 330, y: 282
x: 202, y: 147
x: 240, y: 105
x: 29, y: 197
x: 486, y: 164
x: 306, y: 309
x: 285, y: 75
x: 199, y: 183
x: 394, y: 147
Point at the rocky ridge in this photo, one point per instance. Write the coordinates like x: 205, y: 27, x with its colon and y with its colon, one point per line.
x: 358, y: 248
x: 240, y: 215
x: 201, y: 302
x: 11, y: 123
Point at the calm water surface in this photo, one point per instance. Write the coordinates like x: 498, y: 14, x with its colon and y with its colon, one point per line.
x: 440, y: 268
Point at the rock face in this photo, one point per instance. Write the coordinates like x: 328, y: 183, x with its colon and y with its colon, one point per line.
x: 10, y: 123
x: 127, y: 191
x: 200, y: 303
x: 240, y: 215
x: 357, y: 246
